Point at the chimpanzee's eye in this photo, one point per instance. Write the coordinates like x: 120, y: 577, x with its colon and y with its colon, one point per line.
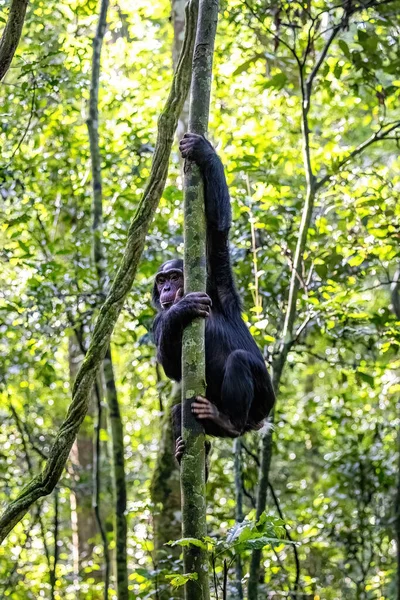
x: 160, y: 280
x: 174, y: 277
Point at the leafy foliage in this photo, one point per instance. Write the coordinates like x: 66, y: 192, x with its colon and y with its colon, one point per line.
x: 334, y: 470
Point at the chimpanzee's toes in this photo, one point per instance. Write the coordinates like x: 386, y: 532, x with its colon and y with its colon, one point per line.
x: 179, y: 449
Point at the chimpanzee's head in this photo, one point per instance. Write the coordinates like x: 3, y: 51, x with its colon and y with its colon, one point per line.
x: 168, y: 282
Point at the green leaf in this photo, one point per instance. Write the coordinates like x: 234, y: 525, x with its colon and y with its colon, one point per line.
x: 277, y: 81
x: 260, y: 542
x: 345, y: 49
x: 356, y: 260
x: 177, y: 580
x: 185, y: 542
x: 366, y: 378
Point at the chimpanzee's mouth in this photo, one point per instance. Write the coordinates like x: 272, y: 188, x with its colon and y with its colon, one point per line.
x: 166, y: 304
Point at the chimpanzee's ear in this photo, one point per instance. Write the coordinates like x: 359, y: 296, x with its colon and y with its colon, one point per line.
x: 155, y: 297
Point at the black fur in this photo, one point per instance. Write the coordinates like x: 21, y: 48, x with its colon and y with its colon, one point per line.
x: 238, y: 383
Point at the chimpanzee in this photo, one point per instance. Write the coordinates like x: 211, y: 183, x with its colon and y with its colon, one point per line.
x: 239, y: 390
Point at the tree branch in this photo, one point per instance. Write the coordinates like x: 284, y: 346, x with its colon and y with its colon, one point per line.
x: 376, y: 137
x: 11, y: 34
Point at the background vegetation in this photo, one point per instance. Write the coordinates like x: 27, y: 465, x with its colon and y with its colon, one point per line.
x: 332, y: 144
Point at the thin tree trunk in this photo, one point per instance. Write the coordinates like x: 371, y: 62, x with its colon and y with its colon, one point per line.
x: 193, y: 350
x: 166, y: 499
x: 287, y: 337
x: 119, y: 478
x: 97, y: 485
x: 99, y: 257
x: 11, y: 34
x: 81, y: 457
x: 44, y: 483
x: 178, y: 22
x: 397, y: 517
x: 53, y: 570
x: 238, y: 467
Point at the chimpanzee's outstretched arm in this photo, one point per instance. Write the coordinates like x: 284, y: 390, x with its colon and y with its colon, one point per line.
x: 218, y: 215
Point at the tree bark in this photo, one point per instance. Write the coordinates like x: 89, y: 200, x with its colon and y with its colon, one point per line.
x: 193, y: 349
x: 11, y: 34
x: 44, y: 482
x: 99, y: 258
x: 166, y: 498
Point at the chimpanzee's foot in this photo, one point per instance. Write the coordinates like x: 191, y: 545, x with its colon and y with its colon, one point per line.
x: 179, y: 449
x: 204, y: 409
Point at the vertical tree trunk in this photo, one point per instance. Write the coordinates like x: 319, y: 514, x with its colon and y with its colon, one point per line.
x: 397, y: 517
x: 97, y: 481
x: 166, y: 498
x: 178, y: 22
x: 193, y: 355
x: 119, y: 478
x: 238, y: 467
x: 56, y: 551
x: 83, y: 522
x: 287, y: 337
x: 395, y: 298
x: 116, y: 427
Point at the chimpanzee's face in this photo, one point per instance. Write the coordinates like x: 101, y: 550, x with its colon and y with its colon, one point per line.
x: 169, y: 282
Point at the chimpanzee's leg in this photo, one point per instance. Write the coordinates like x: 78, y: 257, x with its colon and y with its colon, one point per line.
x: 230, y: 417
x: 238, y: 388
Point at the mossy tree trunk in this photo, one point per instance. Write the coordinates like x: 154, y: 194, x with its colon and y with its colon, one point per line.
x: 193, y: 349
x: 44, y: 483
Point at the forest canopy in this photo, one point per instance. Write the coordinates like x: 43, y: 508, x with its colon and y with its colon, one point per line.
x: 305, y: 115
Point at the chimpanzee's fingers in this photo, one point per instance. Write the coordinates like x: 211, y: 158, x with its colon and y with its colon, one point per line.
x: 200, y: 297
x: 186, y: 154
x: 201, y: 400
x: 202, y: 306
x: 186, y: 143
x: 201, y: 408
